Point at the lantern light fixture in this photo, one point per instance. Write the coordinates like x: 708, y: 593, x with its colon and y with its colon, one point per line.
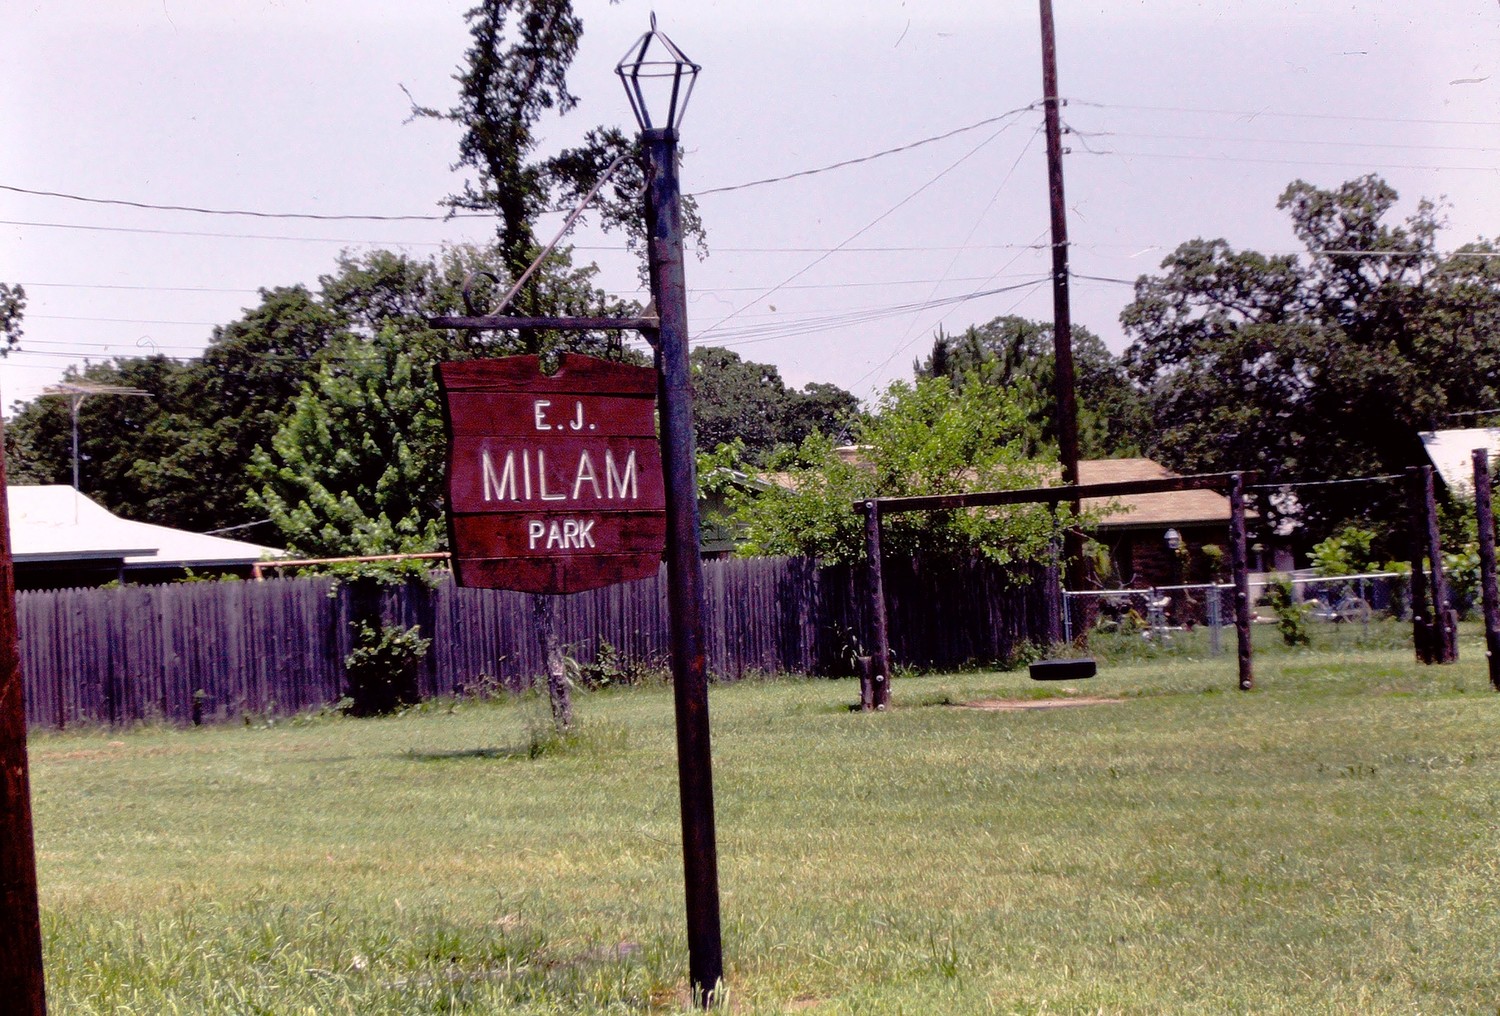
x: 654, y: 67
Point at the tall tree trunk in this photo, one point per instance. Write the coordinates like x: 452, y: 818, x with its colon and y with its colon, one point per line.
x: 558, y: 693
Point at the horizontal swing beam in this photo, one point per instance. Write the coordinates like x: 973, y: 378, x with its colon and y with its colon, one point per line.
x: 1051, y: 495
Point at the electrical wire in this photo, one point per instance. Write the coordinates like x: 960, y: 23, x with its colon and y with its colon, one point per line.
x: 906, y: 338
x: 196, y: 210
x: 1253, y: 114
x: 1190, y: 157
x: 1326, y: 483
x: 448, y: 216
x: 751, y: 334
x: 145, y: 289
x: 842, y: 249
x: 121, y: 321
x: 142, y: 230
x: 865, y: 158
x: 856, y: 234
x: 1028, y: 290
x: 1282, y: 141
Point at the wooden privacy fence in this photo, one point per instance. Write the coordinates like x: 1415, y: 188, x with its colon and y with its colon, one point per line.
x: 209, y: 651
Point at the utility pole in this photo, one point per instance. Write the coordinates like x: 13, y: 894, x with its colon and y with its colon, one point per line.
x: 22, y: 985
x: 1062, y: 320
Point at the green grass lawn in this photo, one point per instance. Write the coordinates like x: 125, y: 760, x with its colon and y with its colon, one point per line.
x: 1329, y: 843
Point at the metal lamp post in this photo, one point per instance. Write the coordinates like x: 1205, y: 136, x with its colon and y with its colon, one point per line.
x: 658, y: 80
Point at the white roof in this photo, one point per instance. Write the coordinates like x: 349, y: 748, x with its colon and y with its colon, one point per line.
x: 1451, y: 452
x: 56, y: 523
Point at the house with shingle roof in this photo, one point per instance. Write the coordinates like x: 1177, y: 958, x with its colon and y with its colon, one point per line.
x: 1134, y: 528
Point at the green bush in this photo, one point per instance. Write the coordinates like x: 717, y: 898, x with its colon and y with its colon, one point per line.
x: 1291, y: 616
x: 1347, y: 552
x: 382, y: 667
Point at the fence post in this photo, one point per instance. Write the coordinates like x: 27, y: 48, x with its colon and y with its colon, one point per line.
x: 1484, y: 511
x: 1421, y: 627
x: 1215, y: 619
x: 1444, y: 618
x: 880, y: 648
x: 1239, y: 564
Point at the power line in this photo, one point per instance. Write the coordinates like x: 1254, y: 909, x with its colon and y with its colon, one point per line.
x: 622, y: 293
x: 906, y: 337
x: 120, y: 321
x: 1289, y: 162
x: 1326, y: 483
x: 842, y: 249
x: 1282, y: 141
x: 1253, y: 114
x: 1028, y: 288
x: 805, y: 326
x: 1100, y: 278
x: 857, y: 233
x: 196, y: 210
x: 448, y: 216
x: 865, y: 158
x: 227, y: 236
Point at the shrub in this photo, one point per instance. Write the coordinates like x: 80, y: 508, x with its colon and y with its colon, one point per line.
x: 1291, y: 616
x: 1347, y: 552
x: 382, y: 667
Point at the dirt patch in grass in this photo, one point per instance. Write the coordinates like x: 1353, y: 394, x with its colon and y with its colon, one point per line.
x: 1017, y: 705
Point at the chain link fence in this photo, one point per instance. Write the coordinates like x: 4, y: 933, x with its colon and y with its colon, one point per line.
x: 1343, y: 612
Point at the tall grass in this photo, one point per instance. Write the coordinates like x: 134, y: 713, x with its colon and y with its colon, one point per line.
x: 1325, y: 844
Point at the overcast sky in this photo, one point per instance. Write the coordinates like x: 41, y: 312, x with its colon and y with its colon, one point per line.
x: 1189, y: 120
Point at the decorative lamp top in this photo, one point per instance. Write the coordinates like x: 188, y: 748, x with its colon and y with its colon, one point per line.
x: 1173, y: 539
x: 655, y: 67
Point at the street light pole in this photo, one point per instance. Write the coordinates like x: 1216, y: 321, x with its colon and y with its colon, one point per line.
x: 684, y: 564
x: 644, y: 68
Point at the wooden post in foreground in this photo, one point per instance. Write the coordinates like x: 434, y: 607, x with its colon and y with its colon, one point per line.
x: 1240, y: 566
x: 1484, y: 511
x: 880, y: 636
x: 22, y: 985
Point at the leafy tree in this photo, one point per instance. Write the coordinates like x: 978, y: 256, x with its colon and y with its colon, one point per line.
x: 924, y: 438
x: 117, y: 434
x: 1320, y: 366
x: 1347, y: 552
x: 179, y: 456
x: 357, y: 468
x: 1014, y: 352
x: 515, y: 74
x: 12, y: 306
x: 740, y: 400
x: 229, y: 401
x: 820, y: 408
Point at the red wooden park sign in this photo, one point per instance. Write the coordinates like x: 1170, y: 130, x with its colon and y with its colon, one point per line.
x: 554, y: 481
